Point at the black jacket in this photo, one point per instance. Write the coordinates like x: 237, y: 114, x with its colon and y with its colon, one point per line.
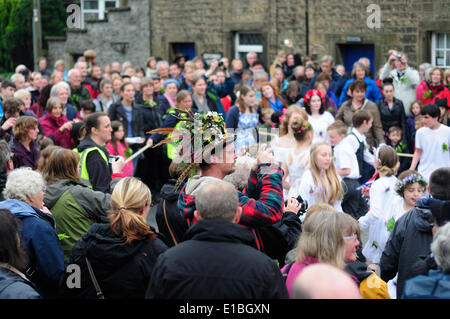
x: 212, y: 105
x: 410, y: 239
x: 99, y: 172
x: 393, y: 117
x: 177, y: 223
x: 216, y: 262
x: 116, y: 112
x: 122, y: 270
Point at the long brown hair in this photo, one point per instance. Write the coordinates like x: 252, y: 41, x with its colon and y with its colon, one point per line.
x: 245, y: 89
x: 388, y: 162
x: 61, y: 164
x: 264, y: 102
x: 128, y: 198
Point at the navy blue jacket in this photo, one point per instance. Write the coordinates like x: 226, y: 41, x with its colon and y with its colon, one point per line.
x: 40, y: 241
x: 12, y: 286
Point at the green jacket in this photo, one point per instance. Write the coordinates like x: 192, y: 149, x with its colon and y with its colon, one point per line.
x: 75, y: 208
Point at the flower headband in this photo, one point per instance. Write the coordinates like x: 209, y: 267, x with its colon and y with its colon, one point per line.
x: 305, y: 125
x: 408, y: 180
x: 311, y: 93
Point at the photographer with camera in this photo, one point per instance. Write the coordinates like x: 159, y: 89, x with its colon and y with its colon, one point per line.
x: 405, y: 78
x: 220, y: 83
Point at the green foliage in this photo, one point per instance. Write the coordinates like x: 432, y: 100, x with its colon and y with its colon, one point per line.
x: 16, y: 40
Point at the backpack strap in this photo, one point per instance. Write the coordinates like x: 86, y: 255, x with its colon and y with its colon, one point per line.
x: 286, y: 271
x: 167, y: 223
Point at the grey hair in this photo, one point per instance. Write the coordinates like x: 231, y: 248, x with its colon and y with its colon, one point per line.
x: 327, y: 58
x: 22, y: 182
x: 57, y: 86
x: 260, y: 74
x: 251, y: 53
x: 69, y: 74
x: 239, y: 178
x: 358, y: 65
x: 218, y: 200
x: 159, y: 63
x: 364, y: 59
x: 441, y: 248
x: 16, y: 76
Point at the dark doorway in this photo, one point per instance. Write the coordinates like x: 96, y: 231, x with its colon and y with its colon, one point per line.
x: 351, y: 53
x: 187, y: 48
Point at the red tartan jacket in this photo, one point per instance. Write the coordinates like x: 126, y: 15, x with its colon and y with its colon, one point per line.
x: 261, y: 200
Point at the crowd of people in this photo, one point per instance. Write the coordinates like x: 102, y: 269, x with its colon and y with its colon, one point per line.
x: 305, y: 158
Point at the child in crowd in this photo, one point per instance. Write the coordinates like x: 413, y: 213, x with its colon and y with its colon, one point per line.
x: 347, y: 167
x: 87, y: 107
x: 395, y: 140
x: 382, y: 196
x: 118, y: 146
x: 432, y: 143
x: 321, y: 183
x: 415, y: 109
x: 362, y: 122
x: 410, y: 187
x: 297, y: 160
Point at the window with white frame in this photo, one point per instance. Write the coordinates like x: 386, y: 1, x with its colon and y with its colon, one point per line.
x: 246, y: 42
x: 96, y: 9
x: 440, y: 49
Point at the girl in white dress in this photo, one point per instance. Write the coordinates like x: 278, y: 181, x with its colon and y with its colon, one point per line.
x: 382, y: 198
x: 297, y: 160
x: 281, y: 146
x: 320, y: 183
x: 319, y: 118
x: 410, y: 187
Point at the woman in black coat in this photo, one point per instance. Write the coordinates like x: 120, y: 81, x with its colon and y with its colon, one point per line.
x: 392, y: 111
x: 122, y: 253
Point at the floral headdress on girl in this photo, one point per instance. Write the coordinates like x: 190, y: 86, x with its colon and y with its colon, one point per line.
x: 311, y: 93
x: 408, y: 180
x: 304, y: 126
x: 198, y: 136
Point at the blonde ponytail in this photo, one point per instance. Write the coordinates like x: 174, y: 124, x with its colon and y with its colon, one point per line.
x: 128, y: 199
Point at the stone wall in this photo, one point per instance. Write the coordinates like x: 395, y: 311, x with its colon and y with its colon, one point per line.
x: 212, y: 25
x: 127, y: 28
x: 405, y: 25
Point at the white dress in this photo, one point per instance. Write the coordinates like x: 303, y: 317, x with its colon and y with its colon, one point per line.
x: 320, y: 126
x: 300, y: 163
x: 383, y: 199
x: 309, y: 191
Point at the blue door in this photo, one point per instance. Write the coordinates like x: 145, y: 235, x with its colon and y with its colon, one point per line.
x: 353, y: 52
x: 185, y: 48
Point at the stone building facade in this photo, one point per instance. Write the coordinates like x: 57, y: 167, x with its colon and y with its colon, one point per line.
x: 229, y: 27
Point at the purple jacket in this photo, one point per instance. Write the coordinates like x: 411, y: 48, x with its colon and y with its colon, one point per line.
x: 24, y: 157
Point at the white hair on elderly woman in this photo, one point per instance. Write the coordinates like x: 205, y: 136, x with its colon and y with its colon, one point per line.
x: 239, y: 177
x: 23, y: 183
x: 441, y: 248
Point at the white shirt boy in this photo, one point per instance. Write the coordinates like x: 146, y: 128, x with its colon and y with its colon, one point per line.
x: 354, y: 143
x: 435, y: 149
x: 345, y: 157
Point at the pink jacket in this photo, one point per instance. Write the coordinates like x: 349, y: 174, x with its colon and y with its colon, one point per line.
x: 128, y: 168
x: 295, y: 270
x: 50, y: 126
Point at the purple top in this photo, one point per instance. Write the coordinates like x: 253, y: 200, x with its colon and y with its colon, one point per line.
x: 24, y: 157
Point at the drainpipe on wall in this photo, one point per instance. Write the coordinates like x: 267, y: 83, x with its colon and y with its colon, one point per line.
x: 307, y: 26
x: 150, y: 26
